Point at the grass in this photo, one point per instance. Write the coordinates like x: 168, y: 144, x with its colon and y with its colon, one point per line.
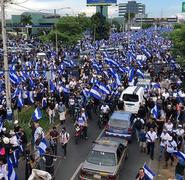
x: 25, y: 117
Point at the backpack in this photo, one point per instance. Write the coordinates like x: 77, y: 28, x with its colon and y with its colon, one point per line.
x: 138, y: 124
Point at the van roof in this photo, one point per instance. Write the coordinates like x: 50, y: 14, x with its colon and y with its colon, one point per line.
x: 133, y: 90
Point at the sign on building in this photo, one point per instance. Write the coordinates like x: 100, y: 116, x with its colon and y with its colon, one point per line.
x: 100, y: 2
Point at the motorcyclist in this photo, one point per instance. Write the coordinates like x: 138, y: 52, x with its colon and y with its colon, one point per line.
x: 82, y: 122
x: 105, y: 109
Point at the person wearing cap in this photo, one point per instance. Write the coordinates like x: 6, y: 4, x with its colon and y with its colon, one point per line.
x: 163, y: 138
x: 16, y: 126
x: 171, y: 146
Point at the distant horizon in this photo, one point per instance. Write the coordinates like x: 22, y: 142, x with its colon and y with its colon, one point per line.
x: 154, y: 8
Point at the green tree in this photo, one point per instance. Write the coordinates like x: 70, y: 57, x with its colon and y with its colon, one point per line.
x: 68, y: 31
x: 84, y: 21
x: 26, y: 20
x: 146, y: 25
x: 100, y: 26
x: 177, y: 37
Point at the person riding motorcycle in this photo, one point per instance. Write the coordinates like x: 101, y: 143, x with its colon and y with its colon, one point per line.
x: 82, y: 122
x: 105, y: 109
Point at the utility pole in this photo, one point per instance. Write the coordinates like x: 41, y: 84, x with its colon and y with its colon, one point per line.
x: 56, y: 33
x: 5, y: 53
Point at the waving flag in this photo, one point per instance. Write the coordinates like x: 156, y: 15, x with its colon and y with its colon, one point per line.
x: 111, y: 62
x: 155, y: 112
x: 179, y: 154
x: 115, y: 76
x: 103, y: 88
x: 65, y: 89
x: 20, y: 102
x: 150, y: 174
x: 16, y: 92
x: 14, y: 78
x: 131, y: 75
x: 37, y: 114
x: 95, y: 93
x: 1, y: 124
x: 30, y: 97
x: 86, y: 92
x: 11, y: 172
x: 140, y: 73
x: 155, y: 85
x: 42, y: 147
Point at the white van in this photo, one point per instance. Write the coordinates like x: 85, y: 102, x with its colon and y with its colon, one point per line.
x: 132, y: 97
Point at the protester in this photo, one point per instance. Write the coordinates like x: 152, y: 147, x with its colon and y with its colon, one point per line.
x: 151, y: 137
x: 64, y: 139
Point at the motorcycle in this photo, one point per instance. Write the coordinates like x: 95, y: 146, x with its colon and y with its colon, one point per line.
x: 102, y: 120
x: 79, y: 133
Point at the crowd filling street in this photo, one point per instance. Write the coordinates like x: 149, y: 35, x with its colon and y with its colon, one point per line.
x: 130, y: 72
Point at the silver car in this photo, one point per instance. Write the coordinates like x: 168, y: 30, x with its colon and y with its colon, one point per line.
x: 105, y: 159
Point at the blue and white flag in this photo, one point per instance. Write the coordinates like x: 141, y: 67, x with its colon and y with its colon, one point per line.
x: 140, y: 73
x: 131, y: 75
x: 65, y: 89
x: 42, y: 147
x: 155, y: 85
x: 179, y: 154
x: 149, y: 173
x: 20, y: 101
x: 95, y: 93
x: 103, y: 88
x: 14, y: 78
x: 86, y: 92
x: 11, y: 172
x: 37, y: 114
x: 155, y: 112
x: 1, y: 124
x: 30, y: 97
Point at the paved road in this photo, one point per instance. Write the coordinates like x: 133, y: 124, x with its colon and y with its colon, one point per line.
x: 77, y: 153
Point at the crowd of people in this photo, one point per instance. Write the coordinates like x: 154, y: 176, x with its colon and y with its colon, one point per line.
x: 91, y: 85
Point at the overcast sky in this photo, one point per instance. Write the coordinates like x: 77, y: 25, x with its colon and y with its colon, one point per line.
x: 154, y: 8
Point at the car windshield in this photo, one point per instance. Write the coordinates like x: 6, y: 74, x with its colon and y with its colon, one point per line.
x: 101, y: 158
x: 119, y: 123
x: 130, y: 97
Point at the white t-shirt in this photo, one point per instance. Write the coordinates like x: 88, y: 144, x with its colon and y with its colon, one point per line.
x: 164, y: 137
x: 171, y: 146
x: 169, y: 127
x: 179, y: 132
x: 151, y: 136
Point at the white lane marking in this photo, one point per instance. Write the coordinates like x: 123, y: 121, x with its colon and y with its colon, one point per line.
x: 76, y: 172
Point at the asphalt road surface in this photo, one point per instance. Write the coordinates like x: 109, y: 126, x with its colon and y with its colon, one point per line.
x: 77, y: 153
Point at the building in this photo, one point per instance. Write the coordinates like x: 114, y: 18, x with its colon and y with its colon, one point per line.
x: 104, y: 10
x: 38, y: 20
x: 131, y: 7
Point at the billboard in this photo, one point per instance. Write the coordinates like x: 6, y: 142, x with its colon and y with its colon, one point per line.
x: 100, y: 2
x: 183, y: 7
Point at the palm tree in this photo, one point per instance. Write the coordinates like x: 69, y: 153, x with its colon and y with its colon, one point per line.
x: 26, y: 20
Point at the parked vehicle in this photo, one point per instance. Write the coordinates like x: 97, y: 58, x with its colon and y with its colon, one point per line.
x: 120, y: 125
x: 105, y: 160
x: 133, y: 97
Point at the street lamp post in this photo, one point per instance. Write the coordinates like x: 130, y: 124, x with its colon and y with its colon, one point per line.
x: 5, y: 53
